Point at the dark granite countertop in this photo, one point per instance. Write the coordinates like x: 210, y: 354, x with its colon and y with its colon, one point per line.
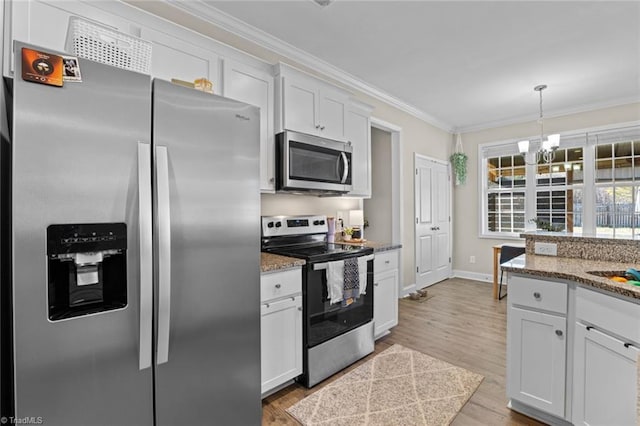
x: 377, y: 246
x: 274, y: 262
x: 574, y: 270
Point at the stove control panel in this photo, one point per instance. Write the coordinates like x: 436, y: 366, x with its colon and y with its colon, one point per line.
x: 275, y: 226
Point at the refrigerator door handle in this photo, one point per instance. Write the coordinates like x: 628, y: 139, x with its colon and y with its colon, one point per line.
x: 146, y: 254
x: 164, y: 254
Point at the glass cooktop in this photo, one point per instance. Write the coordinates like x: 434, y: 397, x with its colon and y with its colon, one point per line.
x: 321, y: 252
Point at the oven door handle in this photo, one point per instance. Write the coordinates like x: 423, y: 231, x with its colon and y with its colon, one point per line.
x: 321, y: 266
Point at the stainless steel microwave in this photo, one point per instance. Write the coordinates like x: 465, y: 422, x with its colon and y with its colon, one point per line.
x: 311, y: 164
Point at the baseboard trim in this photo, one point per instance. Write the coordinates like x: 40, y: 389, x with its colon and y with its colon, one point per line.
x: 476, y: 276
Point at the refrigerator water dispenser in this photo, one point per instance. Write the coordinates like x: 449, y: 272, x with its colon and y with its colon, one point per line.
x: 87, y: 269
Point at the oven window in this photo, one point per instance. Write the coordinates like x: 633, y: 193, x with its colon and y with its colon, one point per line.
x: 325, y: 321
x: 308, y: 162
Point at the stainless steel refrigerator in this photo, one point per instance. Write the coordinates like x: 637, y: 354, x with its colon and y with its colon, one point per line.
x: 134, y: 255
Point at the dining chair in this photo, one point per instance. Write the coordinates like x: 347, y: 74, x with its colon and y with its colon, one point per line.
x: 506, y: 254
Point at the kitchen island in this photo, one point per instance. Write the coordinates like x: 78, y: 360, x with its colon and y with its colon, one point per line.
x: 573, y: 334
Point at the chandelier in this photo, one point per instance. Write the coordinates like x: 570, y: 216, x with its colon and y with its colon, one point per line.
x: 548, y: 147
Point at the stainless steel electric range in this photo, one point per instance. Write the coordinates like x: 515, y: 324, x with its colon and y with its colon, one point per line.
x: 334, y: 336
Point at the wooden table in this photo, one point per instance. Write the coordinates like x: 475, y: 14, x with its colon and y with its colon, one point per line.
x: 496, y: 266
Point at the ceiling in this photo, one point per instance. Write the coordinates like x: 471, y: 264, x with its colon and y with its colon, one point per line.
x: 466, y: 65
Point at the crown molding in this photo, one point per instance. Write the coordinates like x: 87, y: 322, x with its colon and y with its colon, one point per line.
x: 552, y: 114
x: 202, y: 10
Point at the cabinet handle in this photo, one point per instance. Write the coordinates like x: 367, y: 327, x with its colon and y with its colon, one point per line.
x: 536, y: 295
x: 278, y: 285
x: 321, y: 127
x: 589, y: 327
x: 300, y: 308
x: 266, y: 305
x: 293, y: 299
x: 271, y: 180
x: 386, y: 262
x: 317, y: 126
x: 376, y: 284
x: 559, y: 333
x: 628, y: 345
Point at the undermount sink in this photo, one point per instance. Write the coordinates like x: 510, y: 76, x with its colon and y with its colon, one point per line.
x: 606, y: 274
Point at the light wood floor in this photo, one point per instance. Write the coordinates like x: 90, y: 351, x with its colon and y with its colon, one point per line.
x: 459, y: 323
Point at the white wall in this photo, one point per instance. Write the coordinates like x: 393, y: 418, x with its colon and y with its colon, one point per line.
x: 377, y: 209
x: 287, y: 204
x: 466, y: 240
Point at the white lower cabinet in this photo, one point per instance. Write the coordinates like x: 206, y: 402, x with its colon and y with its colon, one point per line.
x: 605, y: 379
x: 385, y: 296
x: 280, y: 328
x: 572, y: 353
x: 536, y: 370
x: 537, y: 344
x: 606, y: 349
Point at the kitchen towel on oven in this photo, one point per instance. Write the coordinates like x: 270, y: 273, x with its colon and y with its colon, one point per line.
x: 362, y: 272
x: 335, y: 281
x: 351, y: 281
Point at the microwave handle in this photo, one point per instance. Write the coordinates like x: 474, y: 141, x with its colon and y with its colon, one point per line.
x: 345, y: 173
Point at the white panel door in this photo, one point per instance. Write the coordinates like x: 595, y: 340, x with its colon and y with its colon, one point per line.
x: 605, y: 379
x: 537, y: 363
x: 254, y: 86
x: 175, y: 58
x: 432, y: 223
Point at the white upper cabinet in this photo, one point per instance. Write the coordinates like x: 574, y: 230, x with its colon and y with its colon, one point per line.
x: 309, y: 105
x: 358, y: 132
x: 45, y: 24
x: 255, y: 86
x: 176, y: 58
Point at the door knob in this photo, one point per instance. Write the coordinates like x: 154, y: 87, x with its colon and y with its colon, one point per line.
x: 559, y: 333
x: 536, y: 295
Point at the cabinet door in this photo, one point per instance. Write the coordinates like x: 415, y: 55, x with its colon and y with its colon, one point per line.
x: 605, y: 379
x: 358, y: 132
x: 332, y: 114
x: 175, y: 58
x: 536, y: 361
x: 300, y: 105
x: 254, y: 86
x: 281, y: 342
x: 45, y: 24
x: 385, y: 301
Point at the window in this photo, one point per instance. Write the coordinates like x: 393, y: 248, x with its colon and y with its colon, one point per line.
x: 602, y: 167
x: 505, y: 194
x: 559, y: 191
x: 617, y: 189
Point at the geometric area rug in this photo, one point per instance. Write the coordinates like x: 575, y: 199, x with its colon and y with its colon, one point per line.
x: 398, y: 386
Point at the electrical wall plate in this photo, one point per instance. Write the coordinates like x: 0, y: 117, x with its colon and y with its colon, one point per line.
x: 546, y: 249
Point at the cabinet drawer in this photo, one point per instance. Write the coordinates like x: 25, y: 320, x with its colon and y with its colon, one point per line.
x: 385, y: 261
x: 620, y: 317
x: 280, y: 284
x: 539, y: 294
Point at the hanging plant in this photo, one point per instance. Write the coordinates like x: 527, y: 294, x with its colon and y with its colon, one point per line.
x: 459, y: 162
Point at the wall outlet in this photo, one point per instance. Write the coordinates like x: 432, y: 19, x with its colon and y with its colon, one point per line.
x: 472, y: 259
x: 546, y: 249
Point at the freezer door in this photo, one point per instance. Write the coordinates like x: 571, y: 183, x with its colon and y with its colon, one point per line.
x: 75, y: 160
x: 208, y: 317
